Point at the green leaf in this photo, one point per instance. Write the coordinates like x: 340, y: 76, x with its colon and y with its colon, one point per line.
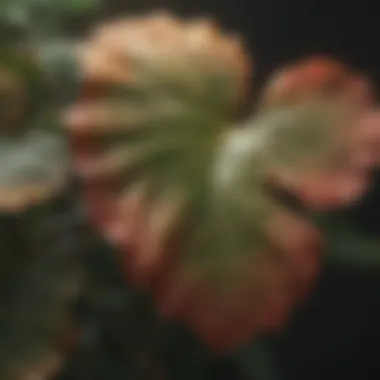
x: 12, y: 8
x: 41, y: 18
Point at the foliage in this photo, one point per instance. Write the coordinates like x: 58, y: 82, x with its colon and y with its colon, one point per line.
x: 68, y: 309
x: 43, y: 13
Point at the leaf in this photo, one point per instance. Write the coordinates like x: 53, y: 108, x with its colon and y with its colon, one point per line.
x: 38, y: 19
x: 10, y: 8
x: 175, y: 182
x: 58, y: 59
x: 34, y: 168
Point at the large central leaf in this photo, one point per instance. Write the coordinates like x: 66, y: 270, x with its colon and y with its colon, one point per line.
x: 179, y: 185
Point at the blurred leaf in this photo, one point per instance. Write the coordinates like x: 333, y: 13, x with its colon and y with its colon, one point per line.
x: 59, y: 61
x: 15, y: 8
x: 42, y: 19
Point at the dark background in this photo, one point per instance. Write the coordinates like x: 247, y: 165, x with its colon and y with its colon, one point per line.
x: 335, y: 336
